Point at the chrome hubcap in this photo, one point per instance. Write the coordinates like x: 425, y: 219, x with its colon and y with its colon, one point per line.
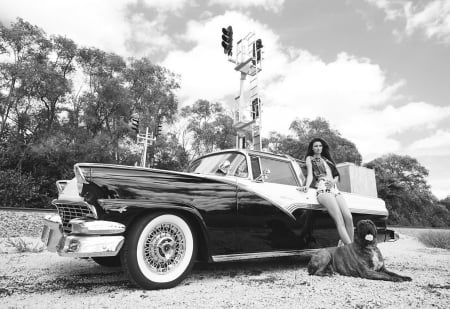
x: 164, y: 248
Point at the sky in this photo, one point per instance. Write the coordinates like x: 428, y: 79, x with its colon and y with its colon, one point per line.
x: 377, y: 70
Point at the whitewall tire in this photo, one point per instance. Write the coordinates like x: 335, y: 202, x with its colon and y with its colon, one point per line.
x: 159, y: 251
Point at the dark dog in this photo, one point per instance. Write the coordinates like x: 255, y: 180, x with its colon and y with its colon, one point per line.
x: 361, y: 258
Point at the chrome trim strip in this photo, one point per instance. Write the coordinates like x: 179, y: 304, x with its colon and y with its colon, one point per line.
x: 53, y: 219
x: 368, y: 212
x: 262, y: 255
x: 96, y: 227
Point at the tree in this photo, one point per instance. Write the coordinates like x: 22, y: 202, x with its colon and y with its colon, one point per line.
x: 446, y: 202
x: 151, y: 90
x: 342, y: 149
x: 53, y: 83
x: 170, y: 154
x: 401, y: 182
x: 27, y: 49
x: 210, y: 126
x: 46, y: 127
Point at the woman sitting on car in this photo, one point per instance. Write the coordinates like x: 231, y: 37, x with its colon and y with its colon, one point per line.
x: 323, y: 176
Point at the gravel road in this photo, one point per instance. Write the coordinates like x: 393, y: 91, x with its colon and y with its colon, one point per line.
x: 45, y: 280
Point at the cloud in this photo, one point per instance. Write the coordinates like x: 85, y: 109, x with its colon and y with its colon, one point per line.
x: 437, y: 144
x: 269, y: 5
x: 100, y: 23
x: 392, y: 9
x: 440, y: 186
x: 148, y: 36
x: 205, y: 71
x: 110, y: 25
x: 353, y: 93
x: 168, y: 5
x: 432, y: 19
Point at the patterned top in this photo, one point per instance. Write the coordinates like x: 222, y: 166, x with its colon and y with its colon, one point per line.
x: 322, y: 168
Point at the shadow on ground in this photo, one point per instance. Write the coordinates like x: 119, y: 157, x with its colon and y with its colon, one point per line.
x: 98, y: 279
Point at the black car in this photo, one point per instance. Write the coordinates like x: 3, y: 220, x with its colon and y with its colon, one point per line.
x: 228, y: 205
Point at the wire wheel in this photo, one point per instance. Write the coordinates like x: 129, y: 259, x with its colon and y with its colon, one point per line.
x: 164, y: 248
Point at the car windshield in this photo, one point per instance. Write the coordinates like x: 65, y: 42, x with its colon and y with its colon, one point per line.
x: 212, y: 164
x: 280, y: 171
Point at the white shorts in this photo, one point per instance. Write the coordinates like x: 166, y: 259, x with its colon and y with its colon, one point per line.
x: 321, y: 188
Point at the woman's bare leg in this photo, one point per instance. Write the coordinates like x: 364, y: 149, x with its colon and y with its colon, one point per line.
x: 329, y: 201
x: 346, y: 215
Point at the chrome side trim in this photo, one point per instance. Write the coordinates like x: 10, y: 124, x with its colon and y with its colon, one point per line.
x: 96, y: 227
x: 262, y: 255
x: 119, y: 205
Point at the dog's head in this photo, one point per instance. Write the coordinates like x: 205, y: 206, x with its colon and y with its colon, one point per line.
x: 366, y: 233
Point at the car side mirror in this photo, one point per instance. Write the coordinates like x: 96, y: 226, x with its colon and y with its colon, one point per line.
x: 224, y: 167
x: 264, y: 175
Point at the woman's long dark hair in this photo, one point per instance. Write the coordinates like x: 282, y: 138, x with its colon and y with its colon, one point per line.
x: 325, y: 149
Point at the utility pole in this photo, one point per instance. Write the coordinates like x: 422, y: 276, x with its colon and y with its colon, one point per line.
x: 248, y: 61
x: 145, y: 140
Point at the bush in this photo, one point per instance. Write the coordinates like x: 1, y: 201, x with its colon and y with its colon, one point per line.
x: 437, y: 239
x: 21, y: 190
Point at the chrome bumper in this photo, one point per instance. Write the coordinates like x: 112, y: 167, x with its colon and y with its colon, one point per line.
x: 89, y: 238
x: 391, y: 235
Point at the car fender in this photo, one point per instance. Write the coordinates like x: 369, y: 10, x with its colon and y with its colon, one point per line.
x: 125, y: 205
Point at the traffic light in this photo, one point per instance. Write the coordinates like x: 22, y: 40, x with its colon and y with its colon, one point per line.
x: 258, y: 47
x: 255, y: 108
x: 227, y: 40
x: 135, y: 124
x: 158, y: 130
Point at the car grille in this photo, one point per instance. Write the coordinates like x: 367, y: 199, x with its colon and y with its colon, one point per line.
x: 68, y: 212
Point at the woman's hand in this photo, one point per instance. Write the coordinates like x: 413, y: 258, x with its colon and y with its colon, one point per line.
x: 329, y: 184
x: 303, y: 189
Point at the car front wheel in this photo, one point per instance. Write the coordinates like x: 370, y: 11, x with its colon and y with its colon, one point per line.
x: 159, y: 251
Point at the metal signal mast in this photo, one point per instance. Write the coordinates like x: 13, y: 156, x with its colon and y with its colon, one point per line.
x: 248, y: 60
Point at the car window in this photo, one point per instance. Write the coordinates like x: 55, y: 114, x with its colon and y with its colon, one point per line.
x: 280, y: 171
x: 300, y: 170
x: 256, y: 169
x: 210, y: 164
x: 241, y: 169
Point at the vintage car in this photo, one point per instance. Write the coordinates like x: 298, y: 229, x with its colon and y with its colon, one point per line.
x: 229, y: 205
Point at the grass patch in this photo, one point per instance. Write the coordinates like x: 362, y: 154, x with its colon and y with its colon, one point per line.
x: 436, y: 239
x: 25, y: 244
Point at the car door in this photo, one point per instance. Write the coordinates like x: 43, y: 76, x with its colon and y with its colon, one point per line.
x: 271, y: 211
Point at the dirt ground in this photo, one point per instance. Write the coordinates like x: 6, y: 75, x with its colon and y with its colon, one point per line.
x: 45, y: 280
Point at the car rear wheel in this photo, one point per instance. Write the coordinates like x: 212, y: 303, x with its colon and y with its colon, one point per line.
x: 159, y: 251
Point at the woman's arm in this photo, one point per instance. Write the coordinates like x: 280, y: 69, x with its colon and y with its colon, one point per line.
x: 309, y: 177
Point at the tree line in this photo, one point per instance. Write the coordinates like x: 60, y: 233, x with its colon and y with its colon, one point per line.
x: 61, y: 103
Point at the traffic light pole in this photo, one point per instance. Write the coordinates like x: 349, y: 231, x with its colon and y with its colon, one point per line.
x: 248, y: 62
x: 240, y: 137
x: 144, y: 154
